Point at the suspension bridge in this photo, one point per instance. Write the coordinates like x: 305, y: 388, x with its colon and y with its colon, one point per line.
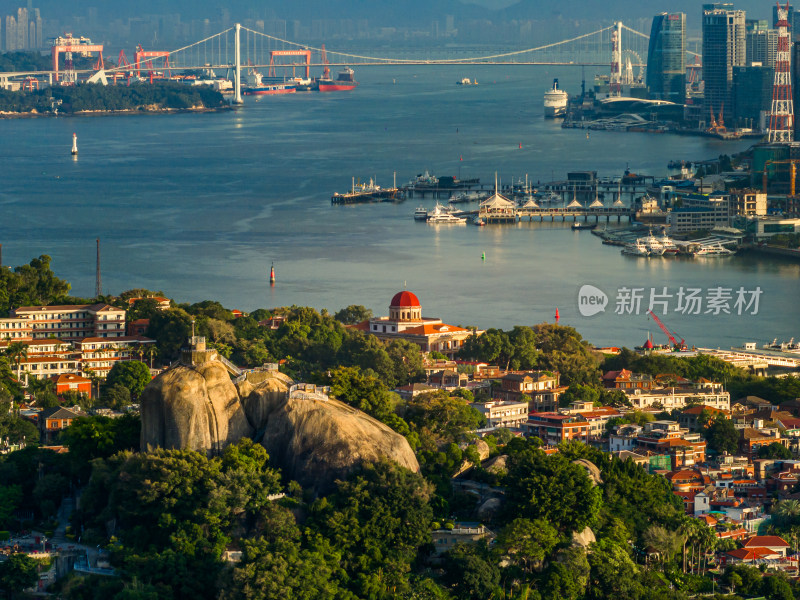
x: 239, y: 47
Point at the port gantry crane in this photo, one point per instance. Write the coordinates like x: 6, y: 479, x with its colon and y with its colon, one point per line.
x: 676, y: 345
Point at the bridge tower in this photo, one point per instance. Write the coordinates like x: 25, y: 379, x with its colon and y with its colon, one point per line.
x: 615, y: 80
x: 237, y: 82
x: 781, y: 118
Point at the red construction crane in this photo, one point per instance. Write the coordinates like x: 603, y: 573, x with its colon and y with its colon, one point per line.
x: 326, y: 70
x: 675, y: 343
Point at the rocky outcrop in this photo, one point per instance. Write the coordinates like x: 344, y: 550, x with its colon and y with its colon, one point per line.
x: 192, y: 407
x: 312, y: 438
x: 317, y: 441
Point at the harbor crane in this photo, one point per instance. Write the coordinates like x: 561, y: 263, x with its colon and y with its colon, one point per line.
x: 676, y: 345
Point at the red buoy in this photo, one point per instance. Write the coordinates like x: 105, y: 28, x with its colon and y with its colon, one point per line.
x: 557, y: 316
x: 272, y: 274
x: 520, y: 145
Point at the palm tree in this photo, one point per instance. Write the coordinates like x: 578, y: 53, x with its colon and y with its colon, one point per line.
x: 18, y: 352
x: 152, y: 351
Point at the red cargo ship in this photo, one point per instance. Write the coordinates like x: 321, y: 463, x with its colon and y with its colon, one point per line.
x: 343, y: 83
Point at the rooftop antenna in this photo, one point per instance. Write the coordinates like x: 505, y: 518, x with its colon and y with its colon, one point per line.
x: 98, y: 288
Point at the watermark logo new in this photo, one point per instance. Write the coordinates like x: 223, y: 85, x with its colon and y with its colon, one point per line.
x: 591, y: 300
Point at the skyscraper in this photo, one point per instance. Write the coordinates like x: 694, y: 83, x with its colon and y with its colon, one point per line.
x: 723, y: 49
x: 666, y: 58
x: 761, y: 43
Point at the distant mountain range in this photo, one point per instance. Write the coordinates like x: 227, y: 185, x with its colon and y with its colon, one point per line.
x: 387, y: 12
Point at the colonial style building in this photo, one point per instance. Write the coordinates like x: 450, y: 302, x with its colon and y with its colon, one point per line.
x: 405, y: 321
x: 503, y: 414
x: 542, y: 387
x: 66, y: 322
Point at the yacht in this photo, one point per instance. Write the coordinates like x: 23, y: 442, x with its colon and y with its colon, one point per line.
x: 421, y: 214
x: 555, y: 101
x: 441, y: 215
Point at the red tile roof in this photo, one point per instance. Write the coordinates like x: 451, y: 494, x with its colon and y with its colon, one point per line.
x: 766, y: 541
x: 431, y: 329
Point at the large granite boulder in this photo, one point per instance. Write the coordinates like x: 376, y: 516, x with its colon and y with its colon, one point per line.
x: 192, y: 407
x: 316, y: 441
x: 259, y: 391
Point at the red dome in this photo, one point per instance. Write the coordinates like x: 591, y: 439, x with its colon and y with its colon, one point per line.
x: 404, y: 300
x: 648, y: 345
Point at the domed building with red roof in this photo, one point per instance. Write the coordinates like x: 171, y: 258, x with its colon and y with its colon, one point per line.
x: 405, y: 321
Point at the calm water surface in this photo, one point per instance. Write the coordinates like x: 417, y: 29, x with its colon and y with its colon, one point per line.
x: 200, y: 205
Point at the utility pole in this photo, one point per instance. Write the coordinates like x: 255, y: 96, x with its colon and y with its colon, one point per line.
x: 98, y: 288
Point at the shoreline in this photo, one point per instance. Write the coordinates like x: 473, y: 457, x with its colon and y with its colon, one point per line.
x: 110, y: 113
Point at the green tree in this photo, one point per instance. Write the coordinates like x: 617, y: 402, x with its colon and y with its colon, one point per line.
x: 564, y: 350
x: 132, y: 374
x: 442, y: 417
x: 10, y: 500
x: 171, y: 329
x: 49, y: 491
x: 116, y: 396
x: 471, y: 572
x: 363, y: 391
x: 613, y: 573
x: 527, y: 543
x: 355, y: 313
x: 17, y: 573
x: 774, y: 450
x: 722, y: 436
x: 94, y: 437
x: 551, y: 488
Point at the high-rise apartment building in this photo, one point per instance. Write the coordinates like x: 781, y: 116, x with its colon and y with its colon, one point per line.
x: 666, y: 58
x: 724, y: 47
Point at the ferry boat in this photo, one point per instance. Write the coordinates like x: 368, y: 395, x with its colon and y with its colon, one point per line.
x: 636, y: 248
x: 653, y: 245
x: 555, y: 101
x: 424, y: 180
x: 421, y: 214
x: 670, y: 247
x: 715, y: 249
x: 442, y: 216
x: 345, y: 82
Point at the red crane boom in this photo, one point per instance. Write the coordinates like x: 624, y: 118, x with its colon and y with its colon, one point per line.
x: 671, y: 335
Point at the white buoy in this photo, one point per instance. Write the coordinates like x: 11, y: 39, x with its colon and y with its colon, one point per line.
x: 74, y: 144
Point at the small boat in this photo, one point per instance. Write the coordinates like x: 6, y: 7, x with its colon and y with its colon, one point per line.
x: 579, y: 226
x: 421, y: 214
x: 466, y: 81
x: 441, y: 215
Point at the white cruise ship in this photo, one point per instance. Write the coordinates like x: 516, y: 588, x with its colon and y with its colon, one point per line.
x: 555, y: 101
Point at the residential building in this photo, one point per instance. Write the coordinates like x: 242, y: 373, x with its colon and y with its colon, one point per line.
x: 772, y: 543
x: 597, y: 417
x: 448, y: 379
x: 724, y: 47
x: 667, y: 437
x: 623, y: 438
x: 161, y: 302
x: 70, y: 382
x: 666, y: 58
x: 689, y: 417
x: 627, y: 380
x: 53, y: 421
x: 672, y: 398
x: 542, y: 387
x: 405, y: 322
x: 553, y: 428
x: 503, y: 414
